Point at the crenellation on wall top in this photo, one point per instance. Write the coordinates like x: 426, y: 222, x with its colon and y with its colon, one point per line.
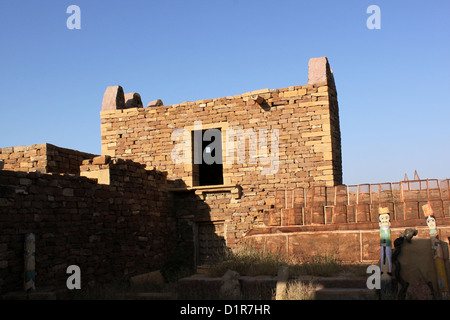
x: 114, y: 98
x: 320, y: 79
x: 319, y: 71
x: 271, y: 97
x: 133, y: 100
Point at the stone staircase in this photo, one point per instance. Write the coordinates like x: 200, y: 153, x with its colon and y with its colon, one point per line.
x: 325, y: 288
x: 342, y: 288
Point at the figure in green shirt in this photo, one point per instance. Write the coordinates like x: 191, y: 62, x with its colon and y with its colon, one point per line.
x: 385, y: 239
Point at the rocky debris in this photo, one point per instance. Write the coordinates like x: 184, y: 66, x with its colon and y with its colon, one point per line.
x: 230, y: 289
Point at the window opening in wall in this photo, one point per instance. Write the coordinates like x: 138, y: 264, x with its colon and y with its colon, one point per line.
x: 207, y: 157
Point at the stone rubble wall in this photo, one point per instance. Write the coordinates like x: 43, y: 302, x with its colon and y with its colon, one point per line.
x: 43, y: 158
x: 301, y: 114
x: 352, y: 204
x: 111, y: 231
x: 134, y: 208
x: 306, y: 118
x: 343, y: 220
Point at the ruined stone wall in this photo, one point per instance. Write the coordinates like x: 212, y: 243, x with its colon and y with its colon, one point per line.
x: 303, y: 118
x: 111, y: 231
x: 358, y: 203
x: 43, y: 158
x: 343, y: 220
x: 349, y: 243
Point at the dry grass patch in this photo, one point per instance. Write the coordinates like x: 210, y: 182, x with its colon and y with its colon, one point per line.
x: 247, y: 261
x: 298, y: 290
x: 253, y: 262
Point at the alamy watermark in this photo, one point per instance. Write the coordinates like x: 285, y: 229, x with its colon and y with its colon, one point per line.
x: 374, y: 280
x: 374, y: 20
x: 188, y: 148
x: 74, y: 280
x: 74, y: 20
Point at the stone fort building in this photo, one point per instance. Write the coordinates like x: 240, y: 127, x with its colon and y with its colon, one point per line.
x: 177, y: 183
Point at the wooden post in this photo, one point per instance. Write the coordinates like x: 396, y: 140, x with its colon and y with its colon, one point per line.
x: 29, y: 258
x: 282, y: 279
x: 438, y: 255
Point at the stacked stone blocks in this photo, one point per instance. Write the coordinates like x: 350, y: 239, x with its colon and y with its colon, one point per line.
x: 305, y: 118
x: 111, y: 231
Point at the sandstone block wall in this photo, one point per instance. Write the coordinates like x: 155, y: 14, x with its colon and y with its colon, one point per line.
x: 350, y: 243
x: 43, y: 158
x: 111, y: 231
x: 304, y: 118
x: 343, y: 220
x: 352, y: 204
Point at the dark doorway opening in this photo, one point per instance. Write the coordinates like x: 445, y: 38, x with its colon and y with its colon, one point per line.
x: 207, y: 157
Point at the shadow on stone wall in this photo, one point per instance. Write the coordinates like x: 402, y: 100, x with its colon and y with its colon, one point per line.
x: 415, y: 271
x: 112, y: 232
x: 199, y: 240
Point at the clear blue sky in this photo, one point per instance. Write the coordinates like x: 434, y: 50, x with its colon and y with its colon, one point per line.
x: 393, y: 83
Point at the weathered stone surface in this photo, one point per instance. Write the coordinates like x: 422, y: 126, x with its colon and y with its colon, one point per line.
x: 419, y: 291
x: 113, y: 99
x: 230, y: 288
x: 310, y: 216
x: 319, y: 70
x: 154, y: 277
x: 102, y: 175
x: 417, y: 266
x: 282, y: 279
x: 43, y: 158
x: 302, y: 119
x: 104, y: 159
x: 156, y: 103
x: 77, y: 221
x: 67, y: 192
x: 133, y: 100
